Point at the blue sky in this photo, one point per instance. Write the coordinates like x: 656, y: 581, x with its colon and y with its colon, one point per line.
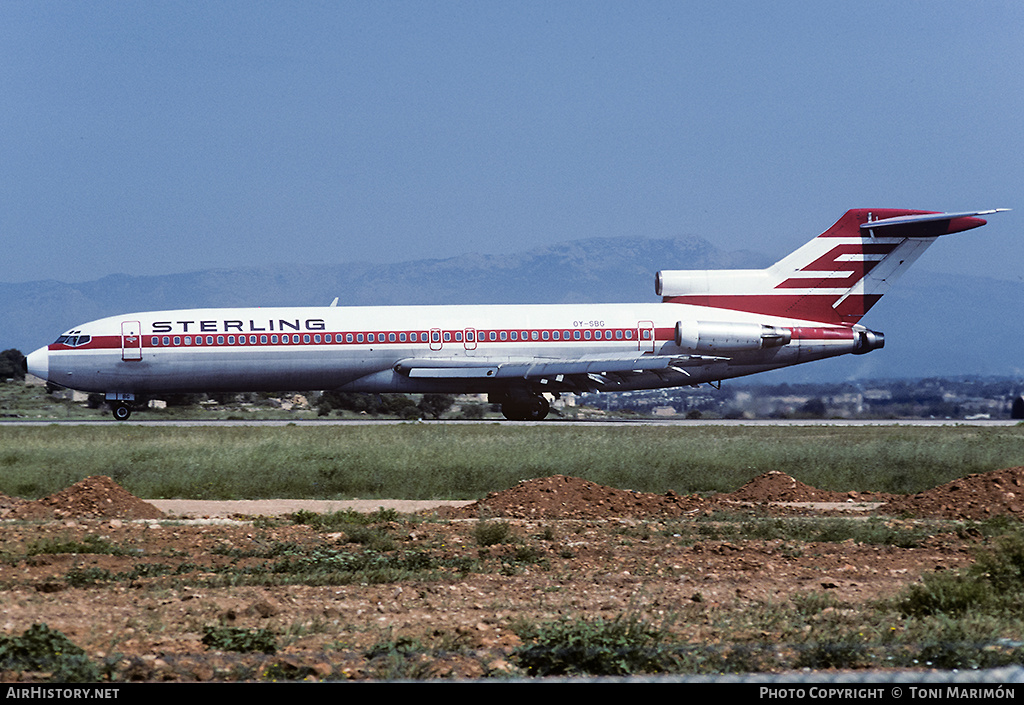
x: 162, y: 137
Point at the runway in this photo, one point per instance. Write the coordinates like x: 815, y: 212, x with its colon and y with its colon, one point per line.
x: 919, y: 423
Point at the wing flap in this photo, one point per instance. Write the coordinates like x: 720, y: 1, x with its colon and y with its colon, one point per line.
x: 539, y: 368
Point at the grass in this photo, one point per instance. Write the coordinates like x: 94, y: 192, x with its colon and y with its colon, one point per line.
x: 963, y: 619
x: 452, y: 461
x: 872, y: 530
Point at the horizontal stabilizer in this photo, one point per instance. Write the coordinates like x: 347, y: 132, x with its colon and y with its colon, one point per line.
x: 928, y: 224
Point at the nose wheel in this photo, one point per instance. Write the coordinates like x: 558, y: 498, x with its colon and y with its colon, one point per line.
x: 122, y: 412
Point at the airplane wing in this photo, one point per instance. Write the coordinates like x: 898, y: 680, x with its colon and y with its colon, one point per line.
x: 584, y: 373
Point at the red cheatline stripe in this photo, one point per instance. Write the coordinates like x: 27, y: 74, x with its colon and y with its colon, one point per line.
x: 628, y: 336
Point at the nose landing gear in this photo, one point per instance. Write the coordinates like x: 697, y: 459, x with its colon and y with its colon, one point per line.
x: 121, y: 404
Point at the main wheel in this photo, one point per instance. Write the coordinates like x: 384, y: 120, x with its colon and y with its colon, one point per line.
x: 122, y: 412
x: 530, y: 409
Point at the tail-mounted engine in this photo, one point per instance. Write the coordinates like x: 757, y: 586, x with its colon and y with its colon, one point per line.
x: 728, y: 336
x: 868, y: 340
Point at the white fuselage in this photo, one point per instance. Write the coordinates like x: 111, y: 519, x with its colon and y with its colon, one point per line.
x: 358, y: 348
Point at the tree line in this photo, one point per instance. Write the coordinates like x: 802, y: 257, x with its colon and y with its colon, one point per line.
x: 12, y: 364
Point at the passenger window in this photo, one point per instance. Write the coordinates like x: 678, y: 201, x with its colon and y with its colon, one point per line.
x: 316, y: 338
x: 504, y: 335
x: 220, y: 340
x: 391, y: 337
x: 263, y: 340
x: 305, y: 338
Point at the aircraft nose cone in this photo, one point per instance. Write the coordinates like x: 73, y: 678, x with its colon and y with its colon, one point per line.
x: 38, y: 363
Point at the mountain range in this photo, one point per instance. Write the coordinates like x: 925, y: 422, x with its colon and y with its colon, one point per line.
x: 935, y: 324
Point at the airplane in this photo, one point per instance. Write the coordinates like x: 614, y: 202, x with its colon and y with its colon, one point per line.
x: 710, y: 325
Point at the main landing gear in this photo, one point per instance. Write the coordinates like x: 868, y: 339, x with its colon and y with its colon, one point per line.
x: 122, y: 412
x: 527, y: 408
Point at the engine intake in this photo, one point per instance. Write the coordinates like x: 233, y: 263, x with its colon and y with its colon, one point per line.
x: 728, y: 336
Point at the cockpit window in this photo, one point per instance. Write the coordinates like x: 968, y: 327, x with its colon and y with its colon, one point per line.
x: 74, y: 341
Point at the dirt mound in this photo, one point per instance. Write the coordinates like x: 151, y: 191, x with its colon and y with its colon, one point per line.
x: 8, y: 504
x: 563, y: 497
x: 978, y: 496
x: 779, y: 487
x: 96, y: 497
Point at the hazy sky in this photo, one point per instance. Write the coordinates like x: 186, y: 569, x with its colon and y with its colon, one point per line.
x: 160, y: 137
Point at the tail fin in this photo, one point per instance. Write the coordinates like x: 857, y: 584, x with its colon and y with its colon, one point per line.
x: 835, y: 278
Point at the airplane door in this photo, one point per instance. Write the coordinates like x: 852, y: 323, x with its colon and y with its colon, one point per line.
x: 131, y: 340
x: 645, y: 336
x: 469, y: 338
x: 435, y: 339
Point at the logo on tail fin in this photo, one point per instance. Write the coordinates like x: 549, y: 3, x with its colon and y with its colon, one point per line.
x: 835, y: 278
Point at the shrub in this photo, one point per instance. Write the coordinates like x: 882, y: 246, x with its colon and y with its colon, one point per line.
x: 845, y: 652
x: 238, y: 639
x: 343, y: 518
x: 490, y: 533
x: 43, y: 649
x: 945, y: 593
x: 624, y: 646
x: 995, y: 580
